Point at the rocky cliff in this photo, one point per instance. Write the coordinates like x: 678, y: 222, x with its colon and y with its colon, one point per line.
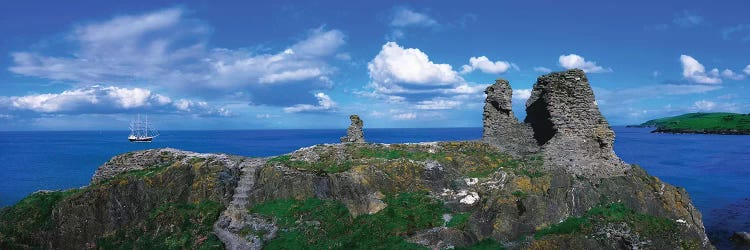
x: 551, y: 182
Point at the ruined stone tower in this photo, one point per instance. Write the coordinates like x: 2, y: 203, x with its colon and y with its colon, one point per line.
x: 501, y: 128
x: 568, y: 126
x: 562, y: 121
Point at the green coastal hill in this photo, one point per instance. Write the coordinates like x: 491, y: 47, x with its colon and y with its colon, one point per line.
x: 702, y: 123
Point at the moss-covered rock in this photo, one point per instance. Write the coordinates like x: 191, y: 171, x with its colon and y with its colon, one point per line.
x: 136, y: 205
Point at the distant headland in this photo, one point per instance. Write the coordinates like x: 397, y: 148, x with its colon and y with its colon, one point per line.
x: 702, y: 123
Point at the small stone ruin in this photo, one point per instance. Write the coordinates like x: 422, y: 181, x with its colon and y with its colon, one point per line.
x: 354, y: 133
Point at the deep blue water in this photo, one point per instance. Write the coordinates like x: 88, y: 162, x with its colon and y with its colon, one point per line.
x: 715, y: 169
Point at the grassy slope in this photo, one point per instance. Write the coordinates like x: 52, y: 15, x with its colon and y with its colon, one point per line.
x: 702, y: 123
x: 29, y: 223
x: 326, y: 224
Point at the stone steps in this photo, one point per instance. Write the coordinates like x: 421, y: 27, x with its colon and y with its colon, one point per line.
x: 233, y: 218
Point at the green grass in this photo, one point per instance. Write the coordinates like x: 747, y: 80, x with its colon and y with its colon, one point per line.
x: 520, y: 194
x: 489, y: 162
x: 23, y: 223
x: 319, y: 167
x: 570, y: 225
x: 643, y: 224
x: 171, y: 226
x: 702, y: 122
x: 324, y: 224
x: 458, y: 220
x: 141, y: 173
x: 472, y: 159
x: 392, y: 154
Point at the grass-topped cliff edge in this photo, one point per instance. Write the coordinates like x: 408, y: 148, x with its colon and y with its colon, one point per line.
x: 358, y: 196
x: 702, y: 123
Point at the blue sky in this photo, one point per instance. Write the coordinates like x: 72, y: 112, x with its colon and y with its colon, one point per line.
x: 71, y: 65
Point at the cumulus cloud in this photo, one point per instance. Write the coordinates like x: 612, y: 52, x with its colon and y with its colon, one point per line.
x: 407, y: 77
x: 572, y: 61
x: 404, y: 17
x: 395, y: 64
x: 324, y: 104
x: 484, y: 64
x: 521, y: 94
x: 747, y: 69
x: 729, y: 74
x: 542, y: 69
x: 106, y: 100
x: 693, y: 71
x: 168, y: 48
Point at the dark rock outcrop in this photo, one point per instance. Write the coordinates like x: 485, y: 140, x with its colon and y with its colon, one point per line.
x: 500, y: 125
x: 354, y: 132
x: 134, y: 192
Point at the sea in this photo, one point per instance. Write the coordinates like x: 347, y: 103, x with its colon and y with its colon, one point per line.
x: 715, y: 169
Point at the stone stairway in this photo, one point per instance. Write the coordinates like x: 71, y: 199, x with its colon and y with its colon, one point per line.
x: 229, y: 227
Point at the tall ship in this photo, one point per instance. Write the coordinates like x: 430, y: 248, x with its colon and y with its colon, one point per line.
x: 142, y: 131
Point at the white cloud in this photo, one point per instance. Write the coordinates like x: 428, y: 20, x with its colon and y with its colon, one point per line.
x: 324, y: 104
x: 121, y: 49
x: 466, y: 89
x: 291, y: 75
x: 521, y: 94
x: 168, y: 48
x: 407, y: 77
x: 704, y: 105
x: 437, y: 104
x: 162, y: 100
x: 572, y: 61
x: 106, y: 100
x: 319, y: 43
x: 403, y: 17
x: 747, y: 69
x: 693, y: 71
x: 302, y: 61
x: 405, y: 116
x: 542, y: 69
x: 394, y: 64
x: 729, y: 74
x: 484, y: 64
x: 125, y: 27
